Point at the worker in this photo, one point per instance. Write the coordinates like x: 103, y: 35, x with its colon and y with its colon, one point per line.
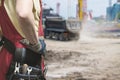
x: 22, y: 34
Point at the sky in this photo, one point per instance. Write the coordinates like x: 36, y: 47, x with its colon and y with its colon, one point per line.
x: 98, y: 7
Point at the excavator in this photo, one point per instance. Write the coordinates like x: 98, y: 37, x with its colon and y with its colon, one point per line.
x: 113, y: 15
x: 80, y: 12
x: 82, y: 9
x: 55, y: 27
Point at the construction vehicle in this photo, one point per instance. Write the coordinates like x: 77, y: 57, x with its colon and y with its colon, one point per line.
x: 113, y: 14
x: 58, y: 28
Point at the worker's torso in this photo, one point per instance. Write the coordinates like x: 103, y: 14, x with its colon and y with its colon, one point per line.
x: 10, y: 8
x: 11, y: 26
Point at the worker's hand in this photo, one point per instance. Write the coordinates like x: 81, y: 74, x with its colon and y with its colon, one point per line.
x: 43, y: 46
x: 39, y: 48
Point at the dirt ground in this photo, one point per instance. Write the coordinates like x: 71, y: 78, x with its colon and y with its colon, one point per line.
x: 90, y: 58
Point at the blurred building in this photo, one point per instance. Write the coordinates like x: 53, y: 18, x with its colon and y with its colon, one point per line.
x: 113, y: 11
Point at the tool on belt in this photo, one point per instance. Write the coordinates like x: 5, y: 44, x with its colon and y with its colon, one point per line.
x: 23, y: 56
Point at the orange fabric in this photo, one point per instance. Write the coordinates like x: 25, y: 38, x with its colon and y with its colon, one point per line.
x: 10, y: 33
x: 5, y: 60
x: 41, y: 32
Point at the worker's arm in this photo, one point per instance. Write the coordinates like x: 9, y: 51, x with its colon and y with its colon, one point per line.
x: 26, y: 18
x: 24, y: 10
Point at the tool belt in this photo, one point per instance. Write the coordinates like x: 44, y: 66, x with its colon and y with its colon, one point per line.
x: 23, y: 56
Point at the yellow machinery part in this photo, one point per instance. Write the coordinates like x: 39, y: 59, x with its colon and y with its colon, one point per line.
x: 80, y: 9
